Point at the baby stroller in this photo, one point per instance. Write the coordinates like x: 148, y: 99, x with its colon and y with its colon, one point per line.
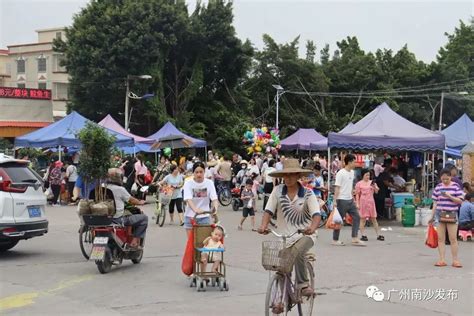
x: 202, y: 279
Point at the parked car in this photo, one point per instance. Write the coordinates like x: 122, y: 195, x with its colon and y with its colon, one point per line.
x: 22, y: 203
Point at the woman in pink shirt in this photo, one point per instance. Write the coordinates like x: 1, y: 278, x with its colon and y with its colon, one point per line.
x: 365, y: 190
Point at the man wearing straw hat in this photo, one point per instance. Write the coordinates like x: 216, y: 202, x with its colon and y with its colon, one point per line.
x: 297, y: 209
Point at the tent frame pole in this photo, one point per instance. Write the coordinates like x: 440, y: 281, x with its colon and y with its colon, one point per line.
x: 329, y: 170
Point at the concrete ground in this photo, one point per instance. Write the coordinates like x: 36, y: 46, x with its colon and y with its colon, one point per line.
x: 49, y: 276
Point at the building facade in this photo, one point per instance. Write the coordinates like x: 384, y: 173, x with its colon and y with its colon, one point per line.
x: 37, y: 66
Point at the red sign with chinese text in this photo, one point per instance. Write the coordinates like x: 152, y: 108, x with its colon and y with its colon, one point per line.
x: 25, y: 93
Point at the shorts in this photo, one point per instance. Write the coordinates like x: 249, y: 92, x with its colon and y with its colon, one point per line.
x: 199, y: 221
x: 437, y: 216
x: 248, y: 211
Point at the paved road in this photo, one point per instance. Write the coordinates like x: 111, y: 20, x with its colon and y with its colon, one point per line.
x: 49, y: 276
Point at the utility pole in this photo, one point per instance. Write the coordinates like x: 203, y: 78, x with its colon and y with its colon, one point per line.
x: 440, y: 127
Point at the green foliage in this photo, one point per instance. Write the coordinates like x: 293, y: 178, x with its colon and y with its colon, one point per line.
x: 214, y: 86
x: 96, y: 152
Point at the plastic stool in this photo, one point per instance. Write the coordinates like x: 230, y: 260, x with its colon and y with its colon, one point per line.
x: 464, y: 234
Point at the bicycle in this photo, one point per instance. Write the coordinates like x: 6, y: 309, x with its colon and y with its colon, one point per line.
x: 282, y: 294
x: 224, y: 194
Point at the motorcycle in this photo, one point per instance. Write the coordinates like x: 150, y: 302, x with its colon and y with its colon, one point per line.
x: 110, y: 242
x: 236, y: 200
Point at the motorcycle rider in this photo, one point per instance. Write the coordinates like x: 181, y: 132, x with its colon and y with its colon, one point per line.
x: 139, y: 222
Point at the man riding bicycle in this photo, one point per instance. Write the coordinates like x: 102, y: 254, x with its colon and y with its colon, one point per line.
x: 297, y: 209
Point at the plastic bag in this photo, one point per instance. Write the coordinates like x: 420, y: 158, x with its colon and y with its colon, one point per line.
x: 348, y: 219
x: 134, y: 188
x: 432, y: 237
x: 148, y: 177
x: 188, y: 257
x: 335, y: 220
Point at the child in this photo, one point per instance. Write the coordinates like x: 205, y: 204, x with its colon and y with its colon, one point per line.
x: 248, y: 198
x: 318, y: 183
x: 213, y: 242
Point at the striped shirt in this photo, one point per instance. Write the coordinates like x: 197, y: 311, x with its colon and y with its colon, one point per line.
x: 444, y: 203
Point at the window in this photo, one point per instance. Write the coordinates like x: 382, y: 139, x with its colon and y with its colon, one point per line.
x: 42, y: 64
x: 20, y: 66
x: 61, y: 91
x: 57, y: 60
x: 42, y: 85
x: 58, y: 35
x: 21, y: 85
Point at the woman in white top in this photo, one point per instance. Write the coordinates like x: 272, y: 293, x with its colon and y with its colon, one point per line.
x: 268, y: 181
x: 253, y: 168
x: 140, y: 173
x: 198, y: 195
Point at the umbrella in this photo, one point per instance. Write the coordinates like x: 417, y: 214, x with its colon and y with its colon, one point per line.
x: 173, y: 141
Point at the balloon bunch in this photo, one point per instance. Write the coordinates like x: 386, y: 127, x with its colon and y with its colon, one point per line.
x: 262, y: 139
x: 167, y: 152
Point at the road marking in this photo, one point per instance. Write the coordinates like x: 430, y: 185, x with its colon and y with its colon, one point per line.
x: 25, y: 299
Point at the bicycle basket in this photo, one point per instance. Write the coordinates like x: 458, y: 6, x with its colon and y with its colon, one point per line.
x: 276, y: 257
x: 165, y: 198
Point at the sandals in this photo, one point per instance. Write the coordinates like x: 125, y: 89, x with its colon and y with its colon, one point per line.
x: 337, y: 243
x: 381, y: 238
x: 441, y: 264
x: 239, y: 227
x: 457, y: 264
x: 364, y: 238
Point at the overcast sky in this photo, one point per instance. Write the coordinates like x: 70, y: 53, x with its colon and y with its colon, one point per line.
x: 377, y: 24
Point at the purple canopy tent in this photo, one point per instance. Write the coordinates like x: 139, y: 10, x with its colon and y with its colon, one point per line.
x: 305, y: 139
x: 347, y: 129
x: 385, y: 129
x: 170, y: 130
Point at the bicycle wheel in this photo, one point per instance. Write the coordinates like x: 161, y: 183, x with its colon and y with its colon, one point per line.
x: 85, y: 240
x: 305, y: 308
x: 161, y: 216
x: 276, y: 300
x: 225, y: 197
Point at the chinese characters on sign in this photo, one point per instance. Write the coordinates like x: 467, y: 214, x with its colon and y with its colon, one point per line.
x: 424, y: 294
x: 24, y: 93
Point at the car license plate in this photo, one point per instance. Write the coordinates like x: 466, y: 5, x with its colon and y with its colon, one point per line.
x: 34, y: 211
x: 101, y: 240
x: 97, y: 253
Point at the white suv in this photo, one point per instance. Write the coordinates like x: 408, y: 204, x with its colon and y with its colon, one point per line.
x: 22, y: 203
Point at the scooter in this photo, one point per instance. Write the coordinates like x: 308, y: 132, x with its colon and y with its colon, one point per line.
x: 236, y: 200
x: 111, y: 242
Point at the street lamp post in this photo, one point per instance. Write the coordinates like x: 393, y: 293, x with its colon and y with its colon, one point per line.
x: 440, y: 126
x: 280, y: 92
x: 127, y: 92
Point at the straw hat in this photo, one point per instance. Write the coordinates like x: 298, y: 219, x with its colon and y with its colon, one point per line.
x: 290, y: 166
x: 244, y: 162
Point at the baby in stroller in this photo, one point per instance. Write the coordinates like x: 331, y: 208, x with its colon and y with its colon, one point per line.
x: 212, y: 242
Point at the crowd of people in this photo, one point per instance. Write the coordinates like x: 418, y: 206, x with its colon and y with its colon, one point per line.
x: 362, y: 195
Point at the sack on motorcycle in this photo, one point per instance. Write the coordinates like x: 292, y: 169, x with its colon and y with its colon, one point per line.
x: 100, y: 208
x: 83, y: 208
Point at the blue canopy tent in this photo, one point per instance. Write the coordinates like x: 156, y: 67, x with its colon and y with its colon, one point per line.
x: 458, y: 134
x: 63, y: 134
x: 169, y: 130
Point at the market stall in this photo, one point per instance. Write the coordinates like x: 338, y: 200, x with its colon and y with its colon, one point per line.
x: 384, y: 129
x: 458, y: 135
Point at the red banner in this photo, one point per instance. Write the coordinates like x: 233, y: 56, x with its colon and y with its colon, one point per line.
x: 25, y: 93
